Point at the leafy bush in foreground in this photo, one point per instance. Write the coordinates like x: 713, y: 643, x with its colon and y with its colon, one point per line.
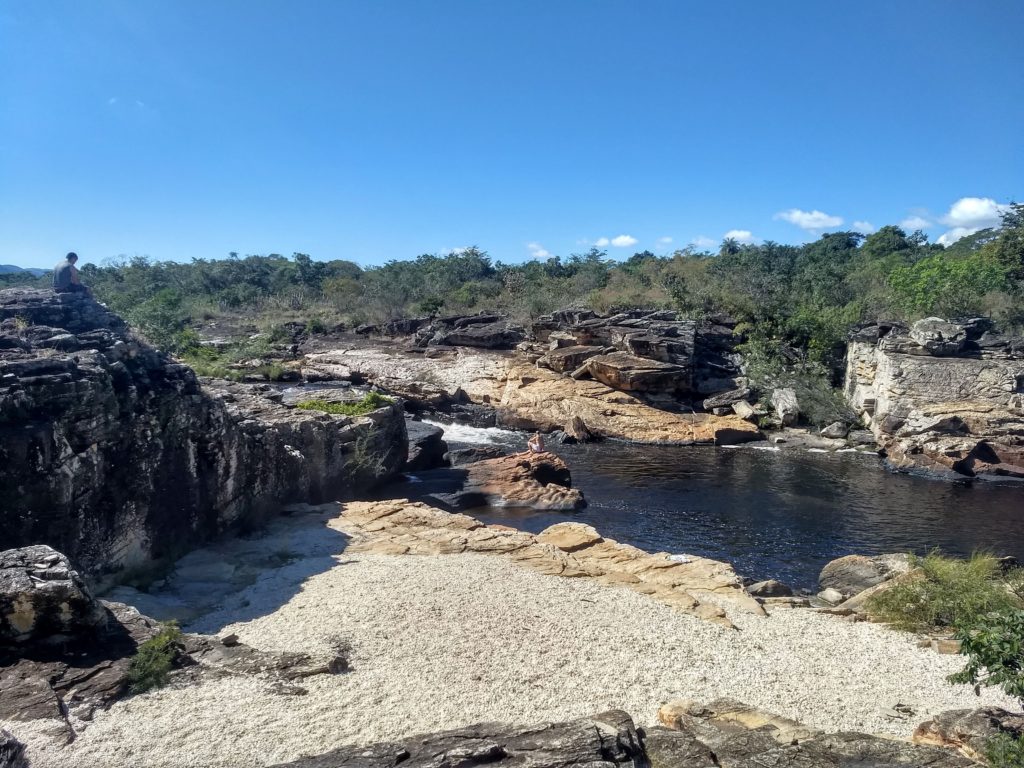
x: 371, y: 401
x: 153, y: 660
x: 994, y: 646
x: 950, y: 593
x: 1004, y: 751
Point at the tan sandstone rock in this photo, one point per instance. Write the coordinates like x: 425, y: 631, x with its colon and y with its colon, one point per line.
x: 529, y: 397
x: 701, y: 587
x: 536, y: 480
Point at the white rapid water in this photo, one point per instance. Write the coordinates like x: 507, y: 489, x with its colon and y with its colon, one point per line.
x: 461, y: 433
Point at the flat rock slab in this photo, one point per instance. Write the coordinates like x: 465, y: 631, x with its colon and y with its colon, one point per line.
x: 694, y: 585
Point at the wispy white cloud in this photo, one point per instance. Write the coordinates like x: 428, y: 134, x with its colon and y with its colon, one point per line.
x: 968, y: 215
x: 624, y: 241
x: 537, y: 251
x: 912, y: 223
x: 601, y: 242
x: 809, y: 220
x: 739, y: 235
x: 702, y: 241
x: 976, y: 212
x: 864, y: 227
x: 664, y: 241
x: 950, y: 237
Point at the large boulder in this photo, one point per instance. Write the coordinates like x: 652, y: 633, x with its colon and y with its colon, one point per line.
x: 939, y: 336
x: 787, y: 408
x: 568, y: 359
x: 117, y: 455
x: 852, y: 574
x: 42, y: 599
x: 629, y: 373
x: 493, y: 335
x: 427, y: 447
x: 606, y: 740
x: 727, y: 399
x: 535, y: 480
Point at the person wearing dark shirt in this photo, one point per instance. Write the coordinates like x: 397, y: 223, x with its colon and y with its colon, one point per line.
x: 66, y: 279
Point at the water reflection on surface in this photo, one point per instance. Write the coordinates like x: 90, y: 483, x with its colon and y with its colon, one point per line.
x: 779, y: 514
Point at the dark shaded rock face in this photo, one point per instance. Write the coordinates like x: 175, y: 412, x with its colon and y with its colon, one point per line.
x: 12, y: 751
x: 602, y: 741
x: 117, y: 456
x: 427, y: 447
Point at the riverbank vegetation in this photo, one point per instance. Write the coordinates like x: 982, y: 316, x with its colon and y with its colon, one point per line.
x: 807, y: 296
x: 982, y: 601
x: 949, y: 593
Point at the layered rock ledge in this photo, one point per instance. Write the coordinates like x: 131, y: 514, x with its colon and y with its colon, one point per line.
x: 525, y: 396
x: 118, y: 456
x: 943, y: 398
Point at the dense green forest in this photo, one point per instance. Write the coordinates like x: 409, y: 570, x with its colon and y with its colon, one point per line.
x: 806, y: 297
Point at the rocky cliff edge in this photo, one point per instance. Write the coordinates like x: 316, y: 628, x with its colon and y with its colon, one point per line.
x: 118, y: 456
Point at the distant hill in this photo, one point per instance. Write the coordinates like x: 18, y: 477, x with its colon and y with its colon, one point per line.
x: 7, y: 269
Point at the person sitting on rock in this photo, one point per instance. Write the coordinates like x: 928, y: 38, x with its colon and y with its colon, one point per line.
x: 536, y: 443
x: 66, y: 279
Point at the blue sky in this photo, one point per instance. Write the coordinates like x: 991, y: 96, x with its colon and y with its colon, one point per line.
x: 379, y: 130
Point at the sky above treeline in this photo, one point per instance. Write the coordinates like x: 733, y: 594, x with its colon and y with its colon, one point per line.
x: 370, y: 131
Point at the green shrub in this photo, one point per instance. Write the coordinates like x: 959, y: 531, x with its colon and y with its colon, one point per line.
x: 370, y: 402
x: 154, y: 659
x: 1004, y: 751
x: 994, y: 647
x: 950, y: 593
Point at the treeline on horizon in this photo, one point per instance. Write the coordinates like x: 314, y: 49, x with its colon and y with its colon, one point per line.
x: 806, y: 297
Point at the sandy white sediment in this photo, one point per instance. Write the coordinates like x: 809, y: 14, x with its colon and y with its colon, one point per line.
x: 440, y: 642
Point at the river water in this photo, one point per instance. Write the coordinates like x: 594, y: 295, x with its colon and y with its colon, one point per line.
x: 777, y: 514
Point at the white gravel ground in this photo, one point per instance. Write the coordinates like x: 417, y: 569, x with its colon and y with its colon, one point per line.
x: 441, y: 642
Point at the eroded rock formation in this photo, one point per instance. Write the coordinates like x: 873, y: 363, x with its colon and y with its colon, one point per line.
x: 945, y: 398
x: 116, y: 455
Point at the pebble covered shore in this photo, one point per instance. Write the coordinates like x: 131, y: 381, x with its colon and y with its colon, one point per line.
x: 443, y: 641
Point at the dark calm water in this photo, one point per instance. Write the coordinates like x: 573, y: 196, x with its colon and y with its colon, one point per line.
x: 773, y: 514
